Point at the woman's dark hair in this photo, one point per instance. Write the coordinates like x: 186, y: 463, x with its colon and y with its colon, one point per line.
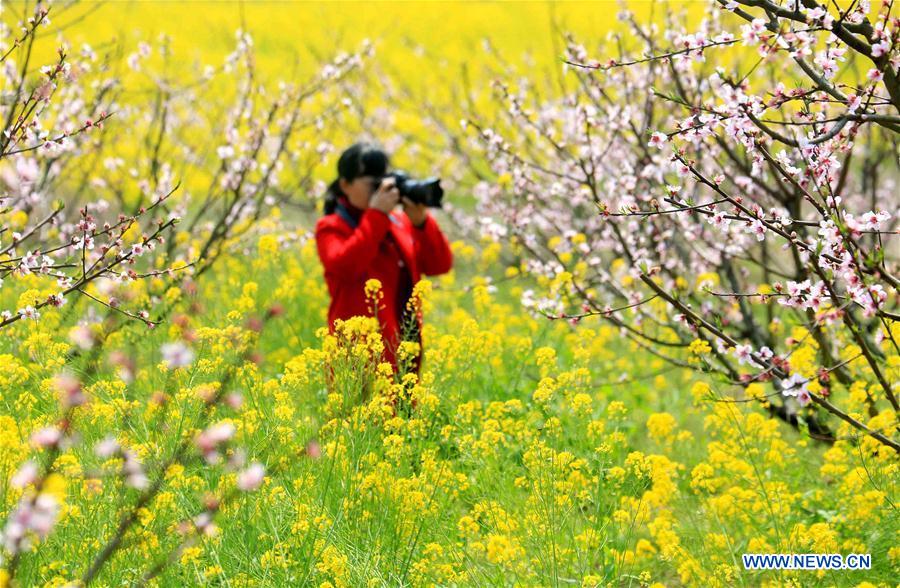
x: 360, y: 159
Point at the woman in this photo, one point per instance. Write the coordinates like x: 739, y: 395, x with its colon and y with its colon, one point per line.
x: 361, y: 238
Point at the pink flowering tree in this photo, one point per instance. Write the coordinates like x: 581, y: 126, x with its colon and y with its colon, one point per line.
x: 116, y: 199
x: 47, y: 119
x: 79, y: 204
x: 736, y: 219
x: 210, y: 442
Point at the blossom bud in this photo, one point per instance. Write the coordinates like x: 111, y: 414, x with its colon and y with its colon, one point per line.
x: 313, y: 449
x: 254, y: 324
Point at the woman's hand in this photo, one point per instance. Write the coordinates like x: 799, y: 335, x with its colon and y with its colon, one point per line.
x: 386, y: 197
x: 416, y: 212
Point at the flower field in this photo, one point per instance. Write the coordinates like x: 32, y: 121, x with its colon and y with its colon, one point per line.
x: 174, y: 410
x: 535, y: 455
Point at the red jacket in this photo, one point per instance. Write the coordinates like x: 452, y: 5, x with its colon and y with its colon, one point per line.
x: 351, y: 256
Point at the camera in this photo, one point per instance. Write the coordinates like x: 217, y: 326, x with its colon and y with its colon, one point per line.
x: 427, y: 192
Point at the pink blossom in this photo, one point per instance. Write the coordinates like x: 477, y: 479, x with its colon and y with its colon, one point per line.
x: 718, y: 220
x: 70, y: 392
x: 57, y: 299
x: 881, y: 48
x: 875, y: 75
x: 873, y: 220
x: 221, y: 432
x: 133, y: 470
x: 84, y: 242
x: 829, y: 66
x: 29, y: 312
x: 177, y: 355
x: 27, y: 474
x: 251, y: 478
x: 853, y: 103
x: 742, y: 353
x: 763, y: 355
x: 794, y: 385
x: 313, y: 449
x: 107, y: 447
x: 47, y: 437
x: 205, y: 525
x: 209, y: 440
x: 30, y: 516
x: 658, y: 140
x: 757, y: 228
x: 751, y: 32
x: 234, y: 400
